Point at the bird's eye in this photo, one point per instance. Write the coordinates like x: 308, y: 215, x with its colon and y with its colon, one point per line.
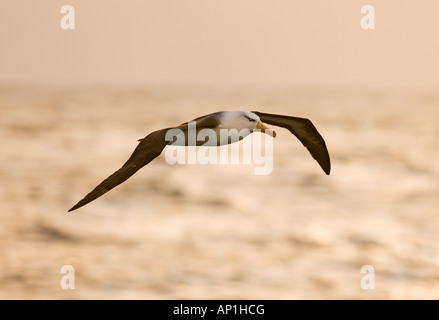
x: 250, y: 119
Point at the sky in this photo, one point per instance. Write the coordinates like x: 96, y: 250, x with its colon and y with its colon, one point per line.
x: 179, y: 42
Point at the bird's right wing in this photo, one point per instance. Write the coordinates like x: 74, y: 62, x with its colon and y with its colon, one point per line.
x: 305, y: 131
x: 147, y: 150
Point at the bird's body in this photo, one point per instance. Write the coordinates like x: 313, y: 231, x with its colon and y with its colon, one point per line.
x: 219, y: 128
x: 225, y: 126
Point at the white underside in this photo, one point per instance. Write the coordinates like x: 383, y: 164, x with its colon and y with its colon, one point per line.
x: 210, y: 137
x: 234, y: 126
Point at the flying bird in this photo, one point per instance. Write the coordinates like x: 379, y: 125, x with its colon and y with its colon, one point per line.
x: 153, y: 144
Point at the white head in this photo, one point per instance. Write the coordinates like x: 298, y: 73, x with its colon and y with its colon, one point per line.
x: 243, y: 120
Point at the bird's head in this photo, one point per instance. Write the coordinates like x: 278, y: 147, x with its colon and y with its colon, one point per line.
x: 245, y: 120
x: 253, y: 122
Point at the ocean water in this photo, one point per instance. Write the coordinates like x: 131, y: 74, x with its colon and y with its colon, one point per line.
x: 219, y: 231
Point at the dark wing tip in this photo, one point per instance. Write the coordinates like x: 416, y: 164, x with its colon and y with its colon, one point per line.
x: 80, y: 204
x: 314, y: 142
x: 73, y: 208
x: 321, y: 155
x: 327, y: 168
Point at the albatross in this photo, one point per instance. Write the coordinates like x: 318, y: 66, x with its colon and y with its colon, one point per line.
x: 153, y: 144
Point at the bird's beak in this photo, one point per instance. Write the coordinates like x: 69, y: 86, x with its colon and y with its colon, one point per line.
x: 263, y: 127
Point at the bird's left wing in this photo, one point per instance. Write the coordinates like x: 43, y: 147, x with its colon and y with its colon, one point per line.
x: 147, y: 150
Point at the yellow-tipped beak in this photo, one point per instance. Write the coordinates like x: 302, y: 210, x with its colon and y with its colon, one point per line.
x: 263, y: 127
